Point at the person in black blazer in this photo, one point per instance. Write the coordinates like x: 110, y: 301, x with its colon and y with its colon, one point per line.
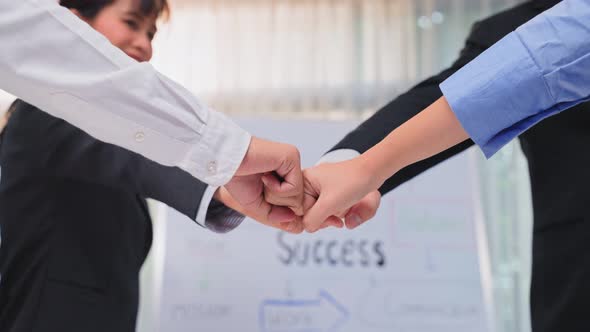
x: 75, y: 225
x: 75, y: 228
x: 558, y: 157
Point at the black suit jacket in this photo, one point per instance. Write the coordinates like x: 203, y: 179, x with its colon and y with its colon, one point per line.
x: 75, y: 226
x: 558, y: 158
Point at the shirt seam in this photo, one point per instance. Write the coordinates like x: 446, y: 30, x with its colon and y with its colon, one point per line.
x: 539, y: 68
x: 81, y: 37
x: 119, y: 116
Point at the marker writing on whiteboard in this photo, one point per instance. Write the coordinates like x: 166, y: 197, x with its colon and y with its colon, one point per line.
x: 341, y: 252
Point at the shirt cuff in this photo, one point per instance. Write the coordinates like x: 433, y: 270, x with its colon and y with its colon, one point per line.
x: 204, y: 206
x: 221, y: 219
x: 215, y: 216
x: 220, y: 151
x: 498, y: 95
x: 338, y: 156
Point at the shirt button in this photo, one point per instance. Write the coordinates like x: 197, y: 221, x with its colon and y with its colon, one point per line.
x: 139, y: 136
x: 212, y: 167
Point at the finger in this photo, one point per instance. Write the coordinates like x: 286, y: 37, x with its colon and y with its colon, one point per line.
x: 271, y: 182
x: 290, y: 166
x: 342, y: 214
x: 333, y: 221
x: 278, y: 217
x: 294, y: 203
x: 266, y: 212
x: 280, y: 214
x: 318, y: 213
x: 282, y: 193
x: 292, y: 176
x: 293, y: 184
x: 246, y: 190
x: 363, y: 210
x: 282, y: 159
x: 293, y: 227
x: 280, y: 190
x: 279, y: 186
x: 309, y: 200
x: 263, y: 211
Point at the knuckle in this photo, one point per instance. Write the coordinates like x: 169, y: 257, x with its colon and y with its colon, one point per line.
x: 294, y: 152
x: 294, y: 228
x: 311, y: 230
x: 298, y: 230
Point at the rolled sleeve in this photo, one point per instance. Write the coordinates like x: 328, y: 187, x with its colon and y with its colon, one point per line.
x: 537, y: 71
x: 219, y: 153
x: 496, y: 96
x: 206, y: 201
x: 215, y: 216
x: 57, y: 62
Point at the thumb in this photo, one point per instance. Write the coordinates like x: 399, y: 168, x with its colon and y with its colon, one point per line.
x: 317, y: 214
x: 363, y: 210
x: 265, y: 156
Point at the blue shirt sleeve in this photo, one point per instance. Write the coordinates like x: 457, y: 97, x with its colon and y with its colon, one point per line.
x: 537, y: 71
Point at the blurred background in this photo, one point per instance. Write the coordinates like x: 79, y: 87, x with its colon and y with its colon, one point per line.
x: 344, y: 59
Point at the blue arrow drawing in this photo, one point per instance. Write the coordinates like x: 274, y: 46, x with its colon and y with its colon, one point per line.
x: 323, y: 314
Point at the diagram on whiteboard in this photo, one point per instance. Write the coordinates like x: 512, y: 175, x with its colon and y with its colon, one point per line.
x: 414, y: 268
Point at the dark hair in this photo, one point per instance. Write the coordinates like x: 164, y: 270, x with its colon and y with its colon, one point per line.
x: 90, y: 8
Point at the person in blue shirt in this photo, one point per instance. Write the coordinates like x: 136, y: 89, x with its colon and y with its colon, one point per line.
x: 539, y: 70
x: 557, y: 157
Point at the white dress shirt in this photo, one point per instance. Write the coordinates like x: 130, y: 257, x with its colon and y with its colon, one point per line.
x: 55, y: 61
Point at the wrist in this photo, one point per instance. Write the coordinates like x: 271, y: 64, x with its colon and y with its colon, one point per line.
x: 225, y: 197
x: 377, y: 167
x: 369, y: 169
x: 246, y: 163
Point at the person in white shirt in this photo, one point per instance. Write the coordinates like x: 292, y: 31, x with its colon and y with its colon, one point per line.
x: 75, y: 225
x: 56, y: 62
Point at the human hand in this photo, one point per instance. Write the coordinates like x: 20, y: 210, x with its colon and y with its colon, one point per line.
x: 280, y: 218
x: 339, y: 190
x: 247, y: 188
x: 363, y: 211
x: 351, y: 218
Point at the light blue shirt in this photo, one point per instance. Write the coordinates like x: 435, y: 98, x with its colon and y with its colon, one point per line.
x: 537, y: 71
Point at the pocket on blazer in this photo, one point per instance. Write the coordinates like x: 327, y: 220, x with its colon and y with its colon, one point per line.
x: 66, y: 306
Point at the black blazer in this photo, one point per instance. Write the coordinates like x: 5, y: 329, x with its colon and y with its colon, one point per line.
x: 558, y: 158
x: 75, y: 226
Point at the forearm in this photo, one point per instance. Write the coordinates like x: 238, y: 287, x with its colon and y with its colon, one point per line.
x: 58, y: 63
x: 430, y: 132
x: 535, y: 72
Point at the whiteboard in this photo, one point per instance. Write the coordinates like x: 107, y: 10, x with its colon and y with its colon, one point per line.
x: 417, y: 266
